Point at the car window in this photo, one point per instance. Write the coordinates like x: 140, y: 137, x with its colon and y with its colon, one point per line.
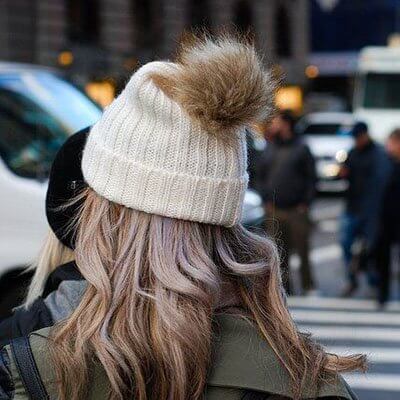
x: 56, y: 97
x: 326, y: 129
x: 38, y: 111
x: 29, y: 137
x: 382, y: 91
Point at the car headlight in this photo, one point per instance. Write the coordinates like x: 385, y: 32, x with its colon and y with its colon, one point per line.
x: 330, y: 170
x: 341, y: 156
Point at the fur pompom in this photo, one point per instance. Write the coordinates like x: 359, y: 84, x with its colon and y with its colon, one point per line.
x: 220, y: 83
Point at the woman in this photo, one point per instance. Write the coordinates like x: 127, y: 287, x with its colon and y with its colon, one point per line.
x: 180, y: 301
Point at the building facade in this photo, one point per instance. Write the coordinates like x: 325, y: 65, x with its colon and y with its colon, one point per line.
x: 339, y: 30
x: 112, y: 36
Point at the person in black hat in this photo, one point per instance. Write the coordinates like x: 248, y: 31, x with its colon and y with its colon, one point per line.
x: 366, y: 170
x: 47, y: 305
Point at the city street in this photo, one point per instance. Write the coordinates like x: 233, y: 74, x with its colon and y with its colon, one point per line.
x: 125, y: 124
x: 351, y: 325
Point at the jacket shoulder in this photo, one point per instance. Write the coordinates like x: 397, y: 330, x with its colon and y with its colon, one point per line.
x: 39, y: 346
x: 243, y: 359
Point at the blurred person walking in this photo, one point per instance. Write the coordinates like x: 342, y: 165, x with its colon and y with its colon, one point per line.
x: 389, y: 236
x: 366, y: 170
x: 180, y: 301
x: 287, y: 181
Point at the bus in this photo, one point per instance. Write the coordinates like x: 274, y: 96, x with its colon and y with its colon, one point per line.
x: 377, y: 90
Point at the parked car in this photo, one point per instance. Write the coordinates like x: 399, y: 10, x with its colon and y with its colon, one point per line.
x: 38, y: 110
x: 328, y: 136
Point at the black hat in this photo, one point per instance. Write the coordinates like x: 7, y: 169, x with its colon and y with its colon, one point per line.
x: 65, y: 182
x: 359, y: 129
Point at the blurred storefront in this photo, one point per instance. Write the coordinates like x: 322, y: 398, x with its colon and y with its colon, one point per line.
x: 102, y: 41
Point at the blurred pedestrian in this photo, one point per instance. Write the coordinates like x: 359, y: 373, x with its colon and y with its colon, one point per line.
x: 389, y: 236
x: 287, y: 185
x: 181, y: 302
x: 366, y: 170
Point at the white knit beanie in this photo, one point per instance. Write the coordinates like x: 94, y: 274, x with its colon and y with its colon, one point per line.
x: 173, y: 142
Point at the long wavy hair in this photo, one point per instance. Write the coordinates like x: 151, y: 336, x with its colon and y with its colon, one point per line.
x: 154, y: 287
x: 52, y: 254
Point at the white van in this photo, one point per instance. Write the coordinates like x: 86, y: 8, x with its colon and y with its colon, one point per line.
x: 377, y: 90
x: 38, y: 110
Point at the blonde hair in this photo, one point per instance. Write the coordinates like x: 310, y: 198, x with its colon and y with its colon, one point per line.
x: 52, y: 254
x: 154, y: 286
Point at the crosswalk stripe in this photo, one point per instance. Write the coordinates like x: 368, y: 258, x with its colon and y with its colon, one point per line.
x: 353, y: 333
x: 332, y: 320
x: 318, y: 255
x: 337, y: 303
x: 384, y: 382
x: 325, y: 253
x: 329, y: 225
x: 362, y: 318
x: 323, y: 213
x: 386, y: 355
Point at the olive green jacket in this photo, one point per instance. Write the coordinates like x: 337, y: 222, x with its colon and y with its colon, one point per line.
x: 243, y: 362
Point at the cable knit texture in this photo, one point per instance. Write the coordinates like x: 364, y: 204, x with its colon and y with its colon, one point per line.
x: 150, y: 152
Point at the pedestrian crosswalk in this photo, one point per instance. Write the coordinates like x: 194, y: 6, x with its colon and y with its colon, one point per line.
x: 362, y: 318
x: 353, y: 326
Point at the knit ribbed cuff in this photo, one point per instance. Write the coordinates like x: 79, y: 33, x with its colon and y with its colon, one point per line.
x: 162, y: 192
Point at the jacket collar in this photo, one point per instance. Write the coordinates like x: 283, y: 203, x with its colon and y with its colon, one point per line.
x: 65, y: 272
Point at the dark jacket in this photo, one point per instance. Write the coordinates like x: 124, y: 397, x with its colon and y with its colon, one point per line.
x: 63, y: 285
x: 368, y: 173
x: 391, y: 203
x: 366, y: 169
x: 286, y: 174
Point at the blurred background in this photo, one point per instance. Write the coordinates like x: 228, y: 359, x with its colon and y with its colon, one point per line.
x: 62, y: 61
